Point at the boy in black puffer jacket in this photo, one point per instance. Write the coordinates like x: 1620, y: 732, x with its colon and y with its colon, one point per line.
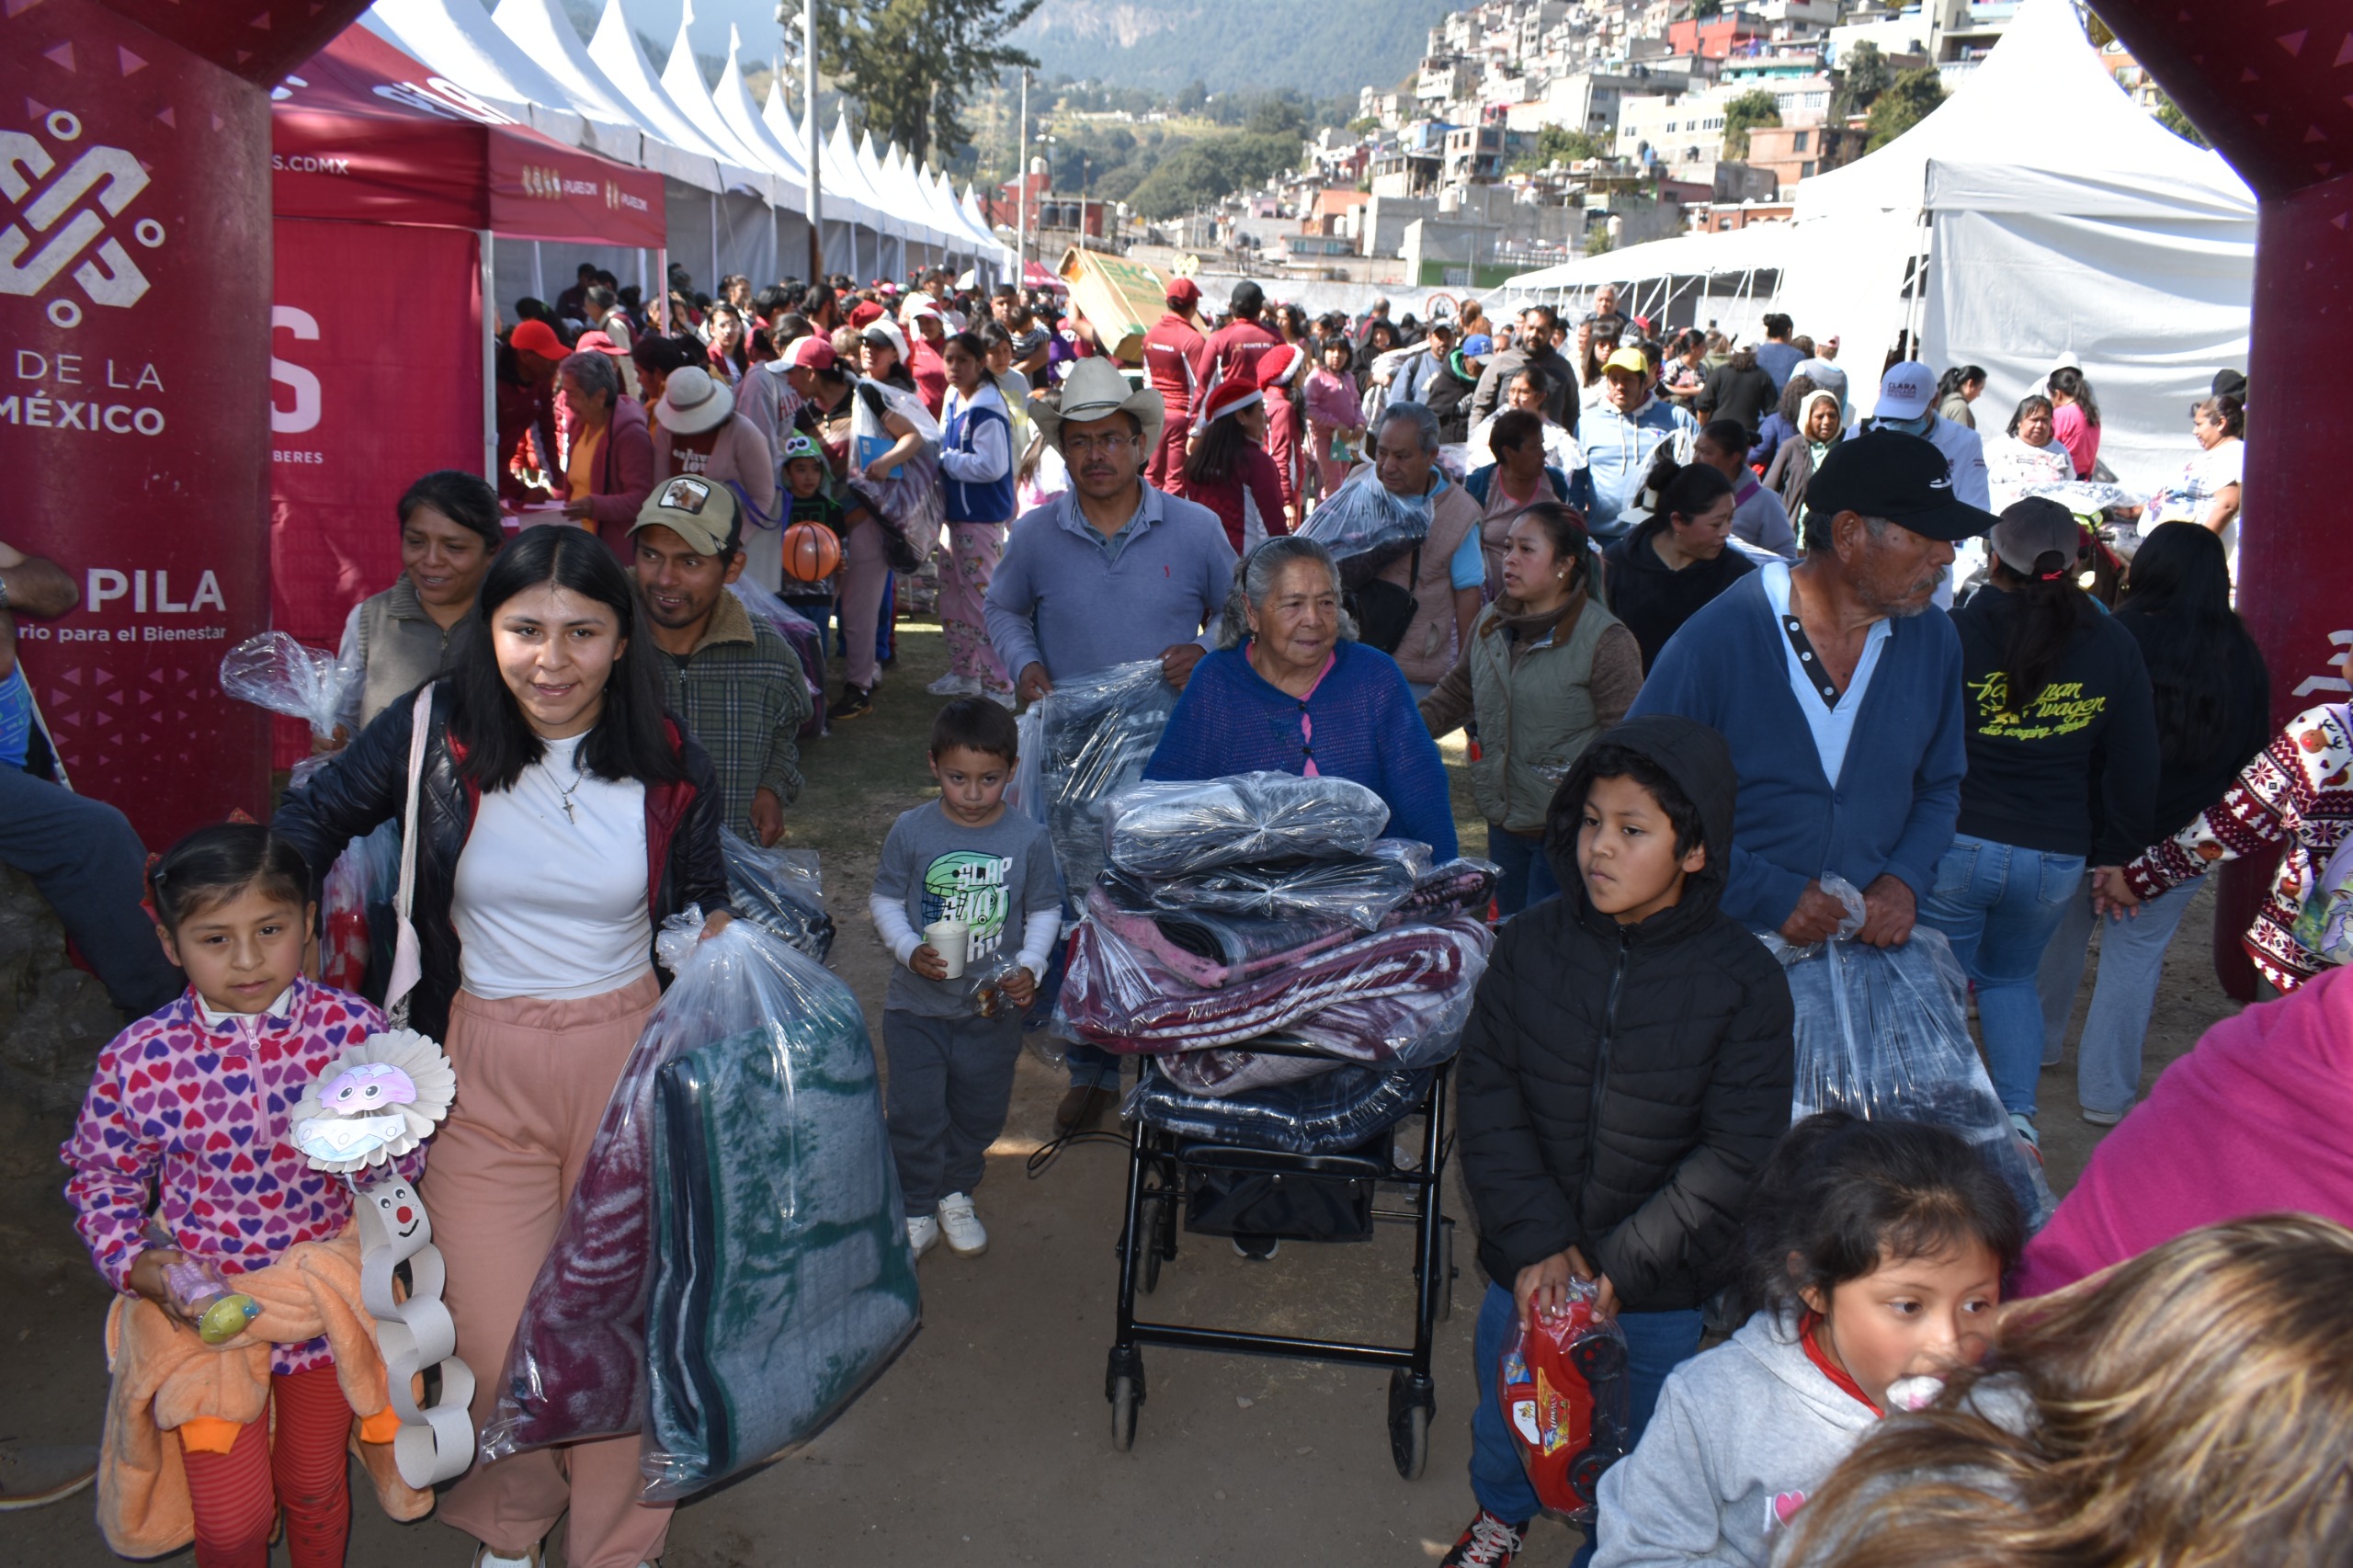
x: 1624, y: 1076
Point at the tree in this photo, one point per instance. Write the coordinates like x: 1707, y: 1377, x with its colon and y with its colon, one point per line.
x: 1856, y: 81
x: 1907, y: 101
x: 2170, y: 115
x: 915, y: 64
x: 1744, y: 113
x: 1559, y: 144
x: 1196, y: 174
x: 1364, y: 125
x: 1703, y: 9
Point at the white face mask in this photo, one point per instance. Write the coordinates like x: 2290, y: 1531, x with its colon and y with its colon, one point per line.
x: 1909, y: 426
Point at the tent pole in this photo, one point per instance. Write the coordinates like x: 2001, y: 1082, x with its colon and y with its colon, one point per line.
x: 658, y: 307
x: 809, y: 124
x: 539, y: 273
x: 489, y: 361
x: 712, y: 281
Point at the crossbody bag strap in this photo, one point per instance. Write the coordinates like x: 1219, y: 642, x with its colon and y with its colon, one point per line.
x: 408, y: 964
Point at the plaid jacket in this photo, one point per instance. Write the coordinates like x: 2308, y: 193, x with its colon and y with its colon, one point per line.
x: 741, y: 694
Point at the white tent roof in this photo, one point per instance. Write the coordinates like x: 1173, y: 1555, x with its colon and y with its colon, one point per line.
x: 458, y: 42
x: 870, y: 171
x: 549, y: 41
x: 615, y: 51
x: 1755, y: 247
x: 733, y: 102
x: 2043, y: 111
x: 841, y: 172
x: 682, y: 79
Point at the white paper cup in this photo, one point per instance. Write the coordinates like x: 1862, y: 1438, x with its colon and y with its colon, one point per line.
x: 950, y: 939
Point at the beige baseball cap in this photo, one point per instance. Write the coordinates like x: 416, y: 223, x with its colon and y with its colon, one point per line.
x: 698, y: 511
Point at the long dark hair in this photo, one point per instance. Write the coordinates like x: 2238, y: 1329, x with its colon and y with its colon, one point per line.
x: 2048, y: 609
x: 1217, y: 456
x: 2180, y: 577
x: 2066, y: 379
x: 1952, y: 381
x: 628, y: 741
x: 1687, y: 489
x: 1794, y: 392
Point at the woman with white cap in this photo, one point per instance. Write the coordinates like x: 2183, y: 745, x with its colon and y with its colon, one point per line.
x: 2061, y: 733
x: 698, y: 431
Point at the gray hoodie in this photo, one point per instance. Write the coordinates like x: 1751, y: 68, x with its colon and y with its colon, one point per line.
x: 1741, y: 1434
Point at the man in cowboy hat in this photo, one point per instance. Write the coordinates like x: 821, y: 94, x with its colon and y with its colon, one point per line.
x: 1110, y: 572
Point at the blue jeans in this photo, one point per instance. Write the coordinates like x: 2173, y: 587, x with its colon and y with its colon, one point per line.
x: 1657, y: 1342
x: 1998, y: 904
x: 2132, y: 956
x: 82, y: 856
x: 1527, y: 871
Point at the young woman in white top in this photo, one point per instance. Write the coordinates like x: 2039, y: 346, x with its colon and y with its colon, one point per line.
x: 561, y: 816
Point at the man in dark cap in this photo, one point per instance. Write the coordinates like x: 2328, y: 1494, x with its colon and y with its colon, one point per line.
x: 1840, y: 698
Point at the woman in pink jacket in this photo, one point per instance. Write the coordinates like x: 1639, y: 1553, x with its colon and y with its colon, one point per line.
x: 608, y: 462
x: 1335, y: 413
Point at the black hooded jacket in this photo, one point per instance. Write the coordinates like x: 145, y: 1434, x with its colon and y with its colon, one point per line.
x: 1653, y: 601
x: 1621, y: 1085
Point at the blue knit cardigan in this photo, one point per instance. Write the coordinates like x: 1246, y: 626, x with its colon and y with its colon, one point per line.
x: 1230, y: 720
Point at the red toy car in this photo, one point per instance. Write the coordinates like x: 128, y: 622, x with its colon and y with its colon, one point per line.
x: 1566, y: 1399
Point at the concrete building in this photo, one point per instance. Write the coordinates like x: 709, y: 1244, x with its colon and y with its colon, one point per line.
x: 1793, y: 152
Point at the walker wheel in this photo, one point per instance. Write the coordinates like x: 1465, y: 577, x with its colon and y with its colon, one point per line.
x: 1123, y: 1412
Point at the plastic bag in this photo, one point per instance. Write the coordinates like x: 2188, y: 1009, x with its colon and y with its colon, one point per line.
x: 1171, y: 829
x: 1362, y: 518
x: 1881, y: 1033
x: 908, y: 502
x: 1098, y: 732
x: 1568, y: 1401
x: 274, y: 671
x: 1118, y: 997
x: 1364, y: 890
x: 807, y: 642
x: 782, y: 1274
x: 780, y: 891
x: 1323, y: 1115
x: 1026, y: 792
x: 344, y: 951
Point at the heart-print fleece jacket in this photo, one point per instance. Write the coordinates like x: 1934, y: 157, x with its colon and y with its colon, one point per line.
x: 187, y: 1120
x: 1740, y: 1435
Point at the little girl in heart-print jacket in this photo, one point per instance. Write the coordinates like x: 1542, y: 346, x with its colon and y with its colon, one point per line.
x: 186, y: 1118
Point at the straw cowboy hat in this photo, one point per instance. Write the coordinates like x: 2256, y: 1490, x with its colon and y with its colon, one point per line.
x: 1095, y: 389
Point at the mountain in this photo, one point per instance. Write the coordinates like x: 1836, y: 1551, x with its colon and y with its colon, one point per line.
x: 1323, y: 47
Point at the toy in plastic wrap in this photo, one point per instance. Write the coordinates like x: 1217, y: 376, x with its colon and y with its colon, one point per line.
x: 377, y: 1101
x: 1881, y: 1032
x: 1565, y: 1396
x: 1163, y: 829
x: 274, y: 671
x: 782, y: 1274
x: 201, y: 1292
x: 781, y: 890
x: 1096, y: 732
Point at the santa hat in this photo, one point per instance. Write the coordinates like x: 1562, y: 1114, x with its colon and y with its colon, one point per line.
x: 1229, y: 397
x: 1278, y: 365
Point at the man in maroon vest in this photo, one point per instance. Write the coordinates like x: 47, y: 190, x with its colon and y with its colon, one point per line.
x: 1176, y: 359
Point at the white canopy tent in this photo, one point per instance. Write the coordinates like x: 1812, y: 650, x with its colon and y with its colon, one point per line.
x: 1725, y: 280
x: 2064, y: 221
x: 549, y: 41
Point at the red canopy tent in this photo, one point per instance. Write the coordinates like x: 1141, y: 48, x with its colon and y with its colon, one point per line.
x: 388, y: 186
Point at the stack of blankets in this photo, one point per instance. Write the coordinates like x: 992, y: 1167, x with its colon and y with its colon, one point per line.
x: 1267, y: 908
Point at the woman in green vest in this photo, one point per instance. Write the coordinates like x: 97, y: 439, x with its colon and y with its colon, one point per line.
x: 397, y: 639
x: 1545, y: 670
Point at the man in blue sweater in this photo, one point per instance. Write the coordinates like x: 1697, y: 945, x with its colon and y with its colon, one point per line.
x: 1842, y: 701
x: 1110, y: 572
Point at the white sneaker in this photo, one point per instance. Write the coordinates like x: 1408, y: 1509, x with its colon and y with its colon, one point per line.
x: 923, y: 1234
x: 485, y: 1558
x: 954, y: 685
x: 957, y: 1221
x: 1000, y: 694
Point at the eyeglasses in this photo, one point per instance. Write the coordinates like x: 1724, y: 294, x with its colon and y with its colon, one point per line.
x: 1109, y: 446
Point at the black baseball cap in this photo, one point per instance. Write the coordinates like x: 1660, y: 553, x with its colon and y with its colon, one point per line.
x: 1886, y: 473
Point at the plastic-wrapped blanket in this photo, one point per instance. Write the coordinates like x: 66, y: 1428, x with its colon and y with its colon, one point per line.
x: 1164, y: 830
x: 1364, y: 890
x: 1117, y: 996
x: 1096, y: 732
x: 808, y: 646
x: 783, y: 1277
x: 1881, y: 1032
x: 1418, y: 1029
x: 1324, y: 1115
x: 780, y: 891
x: 1363, y: 519
x: 1207, y: 950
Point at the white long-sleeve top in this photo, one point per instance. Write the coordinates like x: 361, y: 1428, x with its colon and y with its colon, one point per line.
x: 991, y: 457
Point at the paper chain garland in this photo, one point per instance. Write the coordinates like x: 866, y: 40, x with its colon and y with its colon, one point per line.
x: 371, y: 1105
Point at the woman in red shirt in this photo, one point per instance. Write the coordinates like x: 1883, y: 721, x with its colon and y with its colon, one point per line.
x: 1229, y: 470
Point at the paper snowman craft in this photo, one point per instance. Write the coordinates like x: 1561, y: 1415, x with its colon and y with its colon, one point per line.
x: 371, y: 1105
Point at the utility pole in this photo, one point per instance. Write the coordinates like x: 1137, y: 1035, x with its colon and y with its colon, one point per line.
x: 1021, y: 173
x: 816, y: 200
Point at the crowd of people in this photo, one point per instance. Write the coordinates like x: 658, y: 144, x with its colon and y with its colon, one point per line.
x: 1724, y: 644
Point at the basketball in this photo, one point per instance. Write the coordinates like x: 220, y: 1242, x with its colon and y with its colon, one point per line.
x: 811, y: 554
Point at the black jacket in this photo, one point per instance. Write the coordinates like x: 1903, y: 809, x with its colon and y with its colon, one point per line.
x: 1621, y: 1085
x: 1746, y: 395
x: 367, y: 785
x: 1655, y: 602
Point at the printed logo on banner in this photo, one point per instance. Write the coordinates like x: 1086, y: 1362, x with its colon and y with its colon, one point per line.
x: 55, y: 210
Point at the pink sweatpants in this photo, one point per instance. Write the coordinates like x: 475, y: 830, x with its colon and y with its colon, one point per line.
x: 533, y: 1078
x: 973, y: 550
x: 864, y: 572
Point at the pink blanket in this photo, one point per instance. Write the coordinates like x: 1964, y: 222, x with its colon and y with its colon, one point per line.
x: 1122, y: 997
x: 2255, y: 1120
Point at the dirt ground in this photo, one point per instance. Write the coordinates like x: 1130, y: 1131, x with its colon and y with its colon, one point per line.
x: 988, y: 1442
